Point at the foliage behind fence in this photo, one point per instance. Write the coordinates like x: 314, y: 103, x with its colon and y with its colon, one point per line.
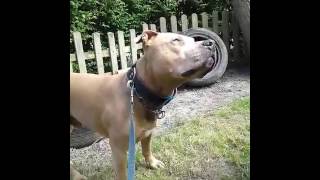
x: 122, y: 51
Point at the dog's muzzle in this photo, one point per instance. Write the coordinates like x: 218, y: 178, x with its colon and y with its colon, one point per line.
x: 209, y: 44
x: 208, y: 56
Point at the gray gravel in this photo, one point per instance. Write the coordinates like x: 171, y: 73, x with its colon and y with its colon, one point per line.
x: 188, y: 103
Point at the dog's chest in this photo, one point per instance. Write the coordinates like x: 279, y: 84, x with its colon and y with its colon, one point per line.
x: 143, y: 132
x: 147, y: 133
x: 145, y: 124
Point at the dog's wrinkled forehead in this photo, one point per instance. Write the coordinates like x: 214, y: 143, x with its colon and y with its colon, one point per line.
x: 174, y: 36
x: 150, y: 38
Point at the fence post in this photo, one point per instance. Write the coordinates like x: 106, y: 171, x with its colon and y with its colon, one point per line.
x: 98, y: 52
x: 163, y: 25
x: 79, y: 52
x: 122, y: 53
x: 113, y: 53
x: 184, y: 22
x: 153, y: 27
x: 144, y: 26
x: 194, y: 18
x: 215, y: 21
x: 173, y: 20
x: 204, y: 18
x: 133, y: 47
x: 71, y: 68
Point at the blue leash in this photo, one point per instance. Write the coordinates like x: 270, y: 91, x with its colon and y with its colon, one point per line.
x: 132, y: 135
x: 132, y: 139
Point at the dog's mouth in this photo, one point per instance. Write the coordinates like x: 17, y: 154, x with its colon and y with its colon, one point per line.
x: 189, y: 73
x: 205, y: 68
x: 211, y: 63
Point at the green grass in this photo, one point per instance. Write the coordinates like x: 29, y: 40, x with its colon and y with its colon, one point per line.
x: 216, y: 146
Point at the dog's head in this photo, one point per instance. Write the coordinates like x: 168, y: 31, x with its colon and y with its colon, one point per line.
x: 176, y: 55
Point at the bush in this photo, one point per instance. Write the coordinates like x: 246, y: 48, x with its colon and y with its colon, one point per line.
x: 198, y: 6
x: 88, y: 16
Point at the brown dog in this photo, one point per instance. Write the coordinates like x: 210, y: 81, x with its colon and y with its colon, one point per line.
x: 101, y: 102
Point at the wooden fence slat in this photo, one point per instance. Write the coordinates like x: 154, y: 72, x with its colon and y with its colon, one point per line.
x: 225, y: 28
x: 133, y: 47
x: 204, y: 19
x: 72, y: 57
x: 173, y: 20
x: 122, y: 52
x: 163, y: 25
x: 105, y: 53
x: 138, y: 46
x: 71, y: 68
x: 113, y: 53
x: 144, y: 26
x: 81, y: 57
x: 153, y: 27
x: 194, y: 22
x: 98, y: 52
x: 122, y: 70
x: 90, y: 55
x: 215, y: 21
x: 184, y: 22
x: 79, y: 52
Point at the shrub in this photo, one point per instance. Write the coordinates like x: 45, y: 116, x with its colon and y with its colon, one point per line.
x: 88, y: 16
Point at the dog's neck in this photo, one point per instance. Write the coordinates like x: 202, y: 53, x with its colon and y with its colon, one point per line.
x: 154, y: 82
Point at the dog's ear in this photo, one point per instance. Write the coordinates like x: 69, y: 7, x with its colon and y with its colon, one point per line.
x: 145, y: 36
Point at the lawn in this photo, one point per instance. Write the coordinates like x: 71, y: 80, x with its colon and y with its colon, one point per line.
x: 213, y: 146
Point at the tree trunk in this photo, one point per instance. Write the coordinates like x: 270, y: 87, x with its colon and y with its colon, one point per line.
x: 241, y: 10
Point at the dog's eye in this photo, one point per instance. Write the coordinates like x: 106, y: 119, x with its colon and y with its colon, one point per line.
x: 176, y: 40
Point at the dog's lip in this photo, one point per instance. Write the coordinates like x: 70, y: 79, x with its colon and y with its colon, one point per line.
x: 209, y: 64
x: 188, y: 73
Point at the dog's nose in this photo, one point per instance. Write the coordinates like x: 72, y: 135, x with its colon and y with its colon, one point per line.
x: 208, y: 43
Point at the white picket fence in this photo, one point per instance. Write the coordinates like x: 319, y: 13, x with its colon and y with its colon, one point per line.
x: 119, y: 52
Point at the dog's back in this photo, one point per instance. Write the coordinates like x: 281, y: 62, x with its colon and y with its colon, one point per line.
x: 96, y: 98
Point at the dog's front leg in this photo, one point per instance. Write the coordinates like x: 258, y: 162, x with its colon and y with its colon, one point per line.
x: 119, y: 159
x: 151, y: 161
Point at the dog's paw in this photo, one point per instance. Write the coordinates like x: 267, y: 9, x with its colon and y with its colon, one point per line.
x: 75, y: 175
x: 154, y: 163
x: 79, y: 177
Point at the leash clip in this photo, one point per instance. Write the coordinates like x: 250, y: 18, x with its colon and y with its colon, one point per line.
x: 160, y: 113
x: 130, y: 84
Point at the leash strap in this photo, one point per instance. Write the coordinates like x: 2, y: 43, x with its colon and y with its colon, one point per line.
x: 132, y: 139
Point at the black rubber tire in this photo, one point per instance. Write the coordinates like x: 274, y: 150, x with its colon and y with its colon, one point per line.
x: 222, y: 54
x: 81, y: 137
